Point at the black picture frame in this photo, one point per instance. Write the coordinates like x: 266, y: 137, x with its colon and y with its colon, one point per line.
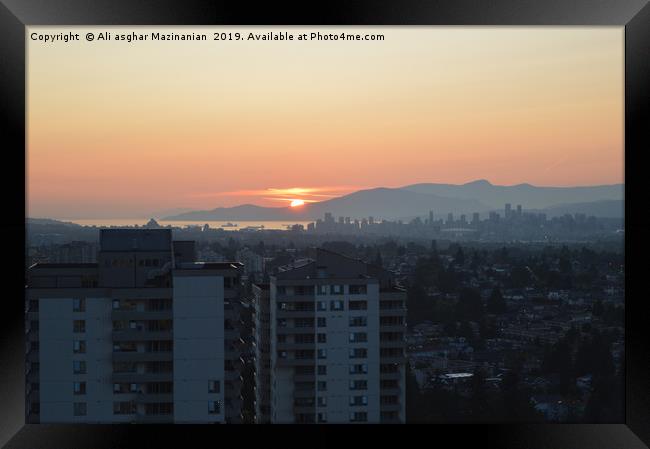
x: 15, y: 15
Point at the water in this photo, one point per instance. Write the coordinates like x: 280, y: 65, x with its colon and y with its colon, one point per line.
x: 107, y: 222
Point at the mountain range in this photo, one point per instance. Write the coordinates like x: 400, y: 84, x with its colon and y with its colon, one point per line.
x: 418, y: 199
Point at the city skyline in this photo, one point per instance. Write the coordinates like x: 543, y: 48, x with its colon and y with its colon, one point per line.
x: 116, y: 130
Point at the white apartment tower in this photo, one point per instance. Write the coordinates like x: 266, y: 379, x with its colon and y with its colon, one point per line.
x: 336, y: 343
x: 145, y: 335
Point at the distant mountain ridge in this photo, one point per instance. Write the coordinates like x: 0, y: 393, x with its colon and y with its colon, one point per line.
x: 418, y: 199
x: 529, y: 196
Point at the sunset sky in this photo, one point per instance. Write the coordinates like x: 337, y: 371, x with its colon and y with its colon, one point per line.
x: 120, y: 129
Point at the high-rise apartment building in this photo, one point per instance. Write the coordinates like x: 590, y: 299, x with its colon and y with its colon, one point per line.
x: 337, y: 348
x: 262, y: 338
x: 146, y: 334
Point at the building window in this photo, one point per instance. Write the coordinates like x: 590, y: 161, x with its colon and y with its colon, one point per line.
x: 358, y: 321
x: 282, y: 338
x: 322, y: 338
x: 282, y: 354
x: 322, y: 417
x: 358, y: 353
x: 79, y: 367
x: 358, y: 400
x: 358, y: 416
x: 322, y: 289
x: 322, y: 401
x: 360, y: 368
x: 78, y: 305
x: 336, y: 290
x: 358, y: 337
x: 336, y: 305
x: 322, y: 370
x: 322, y: 385
x: 79, y: 409
x: 322, y: 305
x: 78, y: 326
x: 358, y: 289
x: 116, y: 304
x: 321, y: 321
x: 79, y: 346
x: 124, y: 408
x: 79, y: 387
x: 214, y: 407
x: 322, y: 353
x: 358, y: 305
x: 214, y: 386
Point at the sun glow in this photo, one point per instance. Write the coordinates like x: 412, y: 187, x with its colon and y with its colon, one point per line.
x: 296, y: 203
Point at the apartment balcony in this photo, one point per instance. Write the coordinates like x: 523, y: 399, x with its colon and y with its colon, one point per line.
x: 142, y: 377
x: 390, y: 376
x: 141, y: 335
x: 142, y: 398
x: 297, y: 330
x: 294, y: 362
x: 392, y: 343
x: 305, y: 393
x: 392, y: 359
x: 294, y: 346
x: 304, y: 408
x: 390, y: 391
x: 135, y: 356
x: 397, y: 311
x: 392, y: 421
x: 295, y: 298
x: 390, y: 407
x: 392, y: 328
x: 295, y: 313
x: 304, y: 377
x: 136, y: 315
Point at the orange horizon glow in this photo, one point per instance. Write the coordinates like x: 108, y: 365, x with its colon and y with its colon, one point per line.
x: 126, y: 130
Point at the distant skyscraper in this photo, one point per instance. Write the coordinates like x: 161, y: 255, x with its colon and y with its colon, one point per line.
x: 519, y: 210
x: 144, y: 335
x: 475, y: 218
x: 430, y: 218
x: 371, y: 220
x: 337, y: 343
x: 508, y: 210
x: 450, y: 218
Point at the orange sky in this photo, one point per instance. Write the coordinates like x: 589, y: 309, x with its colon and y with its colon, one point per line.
x: 126, y: 130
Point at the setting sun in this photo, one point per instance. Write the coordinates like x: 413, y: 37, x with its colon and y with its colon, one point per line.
x: 296, y: 203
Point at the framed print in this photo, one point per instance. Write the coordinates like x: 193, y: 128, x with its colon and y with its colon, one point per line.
x: 359, y: 220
